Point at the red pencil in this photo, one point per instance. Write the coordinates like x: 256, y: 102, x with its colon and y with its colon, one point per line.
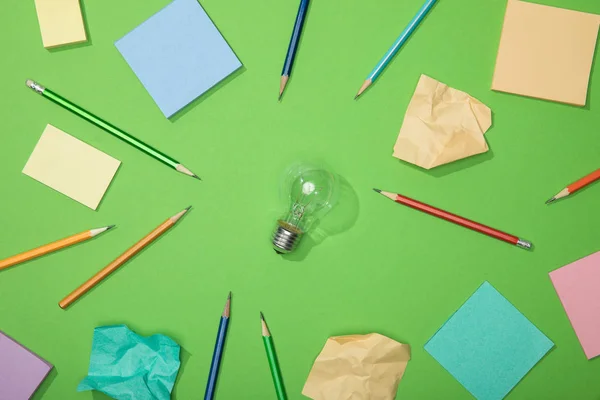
x: 573, y: 187
x: 436, y: 212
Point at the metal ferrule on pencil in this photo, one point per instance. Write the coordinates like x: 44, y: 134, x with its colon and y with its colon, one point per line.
x: 524, y: 244
x: 35, y: 86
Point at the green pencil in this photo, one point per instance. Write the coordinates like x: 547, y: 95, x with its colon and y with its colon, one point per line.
x: 272, y: 357
x: 113, y: 130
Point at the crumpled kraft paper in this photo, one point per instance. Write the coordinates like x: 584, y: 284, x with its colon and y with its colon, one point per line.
x: 441, y: 125
x: 126, y: 366
x: 357, y: 367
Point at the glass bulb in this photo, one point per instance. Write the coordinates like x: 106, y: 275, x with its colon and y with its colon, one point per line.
x: 311, y: 192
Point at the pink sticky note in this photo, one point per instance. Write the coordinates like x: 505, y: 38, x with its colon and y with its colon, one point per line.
x: 577, y: 285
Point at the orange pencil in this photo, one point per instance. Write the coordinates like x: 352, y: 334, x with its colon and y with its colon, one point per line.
x: 113, y: 266
x: 50, y: 247
x: 573, y: 187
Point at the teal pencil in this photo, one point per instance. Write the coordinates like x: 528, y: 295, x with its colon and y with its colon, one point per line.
x: 396, y: 46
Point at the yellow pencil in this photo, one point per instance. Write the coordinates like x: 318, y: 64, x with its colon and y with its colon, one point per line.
x: 50, y: 247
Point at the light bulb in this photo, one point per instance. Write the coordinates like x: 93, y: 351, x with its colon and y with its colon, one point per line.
x: 310, y: 192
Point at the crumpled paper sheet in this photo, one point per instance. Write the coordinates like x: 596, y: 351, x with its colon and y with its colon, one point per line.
x: 357, y: 367
x: 126, y: 366
x: 441, y: 125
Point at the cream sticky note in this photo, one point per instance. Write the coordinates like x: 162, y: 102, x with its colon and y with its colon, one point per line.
x: 72, y: 167
x: 546, y: 52
x: 60, y: 22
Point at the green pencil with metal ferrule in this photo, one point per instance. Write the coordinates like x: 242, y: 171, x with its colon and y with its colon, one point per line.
x: 113, y: 130
x: 272, y: 357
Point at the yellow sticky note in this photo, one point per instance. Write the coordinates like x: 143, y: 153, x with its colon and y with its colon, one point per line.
x: 546, y: 52
x: 60, y: 21
x: 71, y: 167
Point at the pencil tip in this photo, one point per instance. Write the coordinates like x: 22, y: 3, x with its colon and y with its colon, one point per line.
x: 364, y: 87
x: 282, y: 83
x: 110, y: 227
x: 262, y: 317
x: 229, y: 296
x: 550, y: 200
x: 377, y: 190
x: 187, y: 208
x: 279, y: 98
x: 184, y: 170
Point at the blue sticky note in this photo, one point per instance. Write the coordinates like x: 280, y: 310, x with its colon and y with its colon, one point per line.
x: 178, y: 54
x: 488, y: 345
x: 127, y: 366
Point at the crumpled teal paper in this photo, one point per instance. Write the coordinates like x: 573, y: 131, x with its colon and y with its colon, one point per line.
x: 127, y: 366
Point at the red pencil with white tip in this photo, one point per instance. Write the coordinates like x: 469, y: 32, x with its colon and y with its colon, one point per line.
x: 467, y: 223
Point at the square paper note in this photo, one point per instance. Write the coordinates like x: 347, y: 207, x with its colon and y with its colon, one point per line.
x: 71, y: 167
x: 60, y: 22
x: 178, y: 54
x: 21, y: 371
x: 488, y: 345
x: 546, y: 52
x: 577, y: 286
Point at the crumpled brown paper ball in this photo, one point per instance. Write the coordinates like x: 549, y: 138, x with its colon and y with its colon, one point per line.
x: 357, y: 367
x: 441, y: 125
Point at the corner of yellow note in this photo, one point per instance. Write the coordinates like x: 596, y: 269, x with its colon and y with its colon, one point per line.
x: 61, y: 22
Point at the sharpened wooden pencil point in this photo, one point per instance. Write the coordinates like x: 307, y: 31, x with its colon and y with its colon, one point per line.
x: 364, y: 87
x: 227, y: 308
x: 182, y: 168
x: 575, y: 186
x: 180, y: 214
x: 282, y: 84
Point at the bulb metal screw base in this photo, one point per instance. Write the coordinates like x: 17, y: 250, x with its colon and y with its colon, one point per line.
x: 286, y: 237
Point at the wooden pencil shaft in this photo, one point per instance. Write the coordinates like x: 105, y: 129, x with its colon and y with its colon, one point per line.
x: 45, y: 249
x: 110, y: 268
x: 295, y: 38
x: 274, y: 366
x: 456, y: 219
x: 406, y: 33
x: 583, y: 182
x: 216, y: 359
x: 108, y: 127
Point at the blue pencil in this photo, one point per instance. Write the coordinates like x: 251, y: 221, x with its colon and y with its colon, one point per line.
x: 291, y: 53
x: 396, y: 46
x: 218, y: 353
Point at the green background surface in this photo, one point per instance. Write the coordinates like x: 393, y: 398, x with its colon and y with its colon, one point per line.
x: 395, y: 271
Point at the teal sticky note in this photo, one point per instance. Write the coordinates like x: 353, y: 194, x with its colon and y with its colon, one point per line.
x: 178, y: 54
x: 488, y: 345
x: 127, y: 366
